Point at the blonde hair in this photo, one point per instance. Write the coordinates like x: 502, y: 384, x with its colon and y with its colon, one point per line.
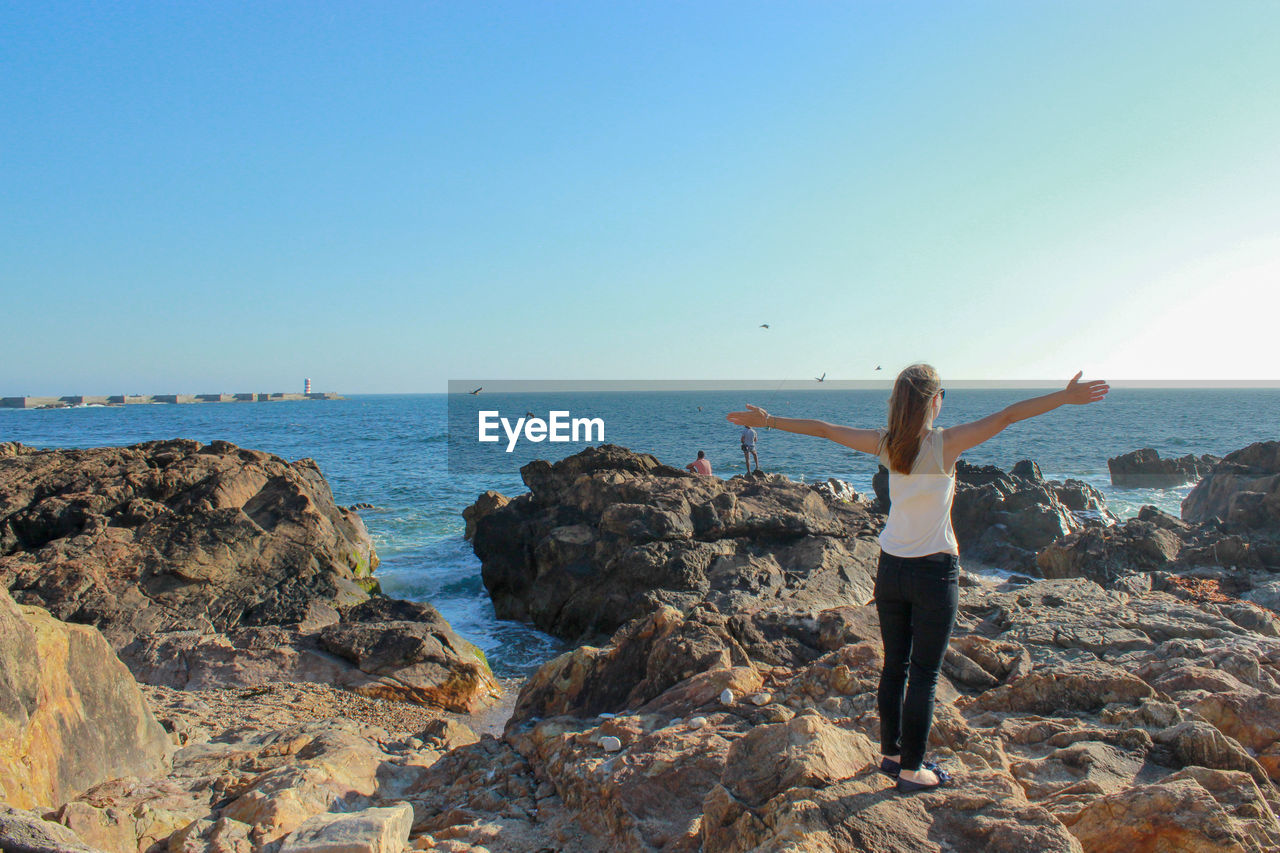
x: 908, y: 404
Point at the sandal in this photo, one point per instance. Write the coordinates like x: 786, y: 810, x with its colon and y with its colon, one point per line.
x: 889, y: 768
x: 906, y: 786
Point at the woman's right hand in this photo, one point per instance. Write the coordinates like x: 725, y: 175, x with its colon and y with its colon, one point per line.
x: 754, y: 416
x: 1082, y: 393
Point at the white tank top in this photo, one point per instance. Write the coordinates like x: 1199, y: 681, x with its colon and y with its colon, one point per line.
x: 920, y: 512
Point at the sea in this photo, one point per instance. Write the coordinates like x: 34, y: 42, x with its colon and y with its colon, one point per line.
x: 397, y: 452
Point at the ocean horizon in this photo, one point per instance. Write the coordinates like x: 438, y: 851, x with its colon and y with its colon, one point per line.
x: 414, y: 457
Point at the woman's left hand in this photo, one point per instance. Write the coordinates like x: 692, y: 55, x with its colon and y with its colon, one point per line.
x: 1082, y: 393
x: 754, y: 416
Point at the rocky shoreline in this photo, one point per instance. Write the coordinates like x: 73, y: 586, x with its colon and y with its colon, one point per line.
x: 1115, y: 688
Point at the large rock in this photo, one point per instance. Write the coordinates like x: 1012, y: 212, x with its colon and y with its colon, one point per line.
x: 71, y: 715
x: 1144, y: 469
x: 214, y: 566
x: 1243, y: 489
x: 1151, y: 540
x: 175, y: 535
x: 1005, y: 518
x: 608, y: 535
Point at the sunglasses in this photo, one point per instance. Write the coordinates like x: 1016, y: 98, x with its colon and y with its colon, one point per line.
x: 942, y: 393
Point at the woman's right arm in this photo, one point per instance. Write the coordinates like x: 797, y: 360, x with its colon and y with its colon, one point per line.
x: 958, y: 439
x: 864, y: 440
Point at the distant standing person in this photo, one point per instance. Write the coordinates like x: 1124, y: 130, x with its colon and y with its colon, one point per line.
x: 917, y: 581
x: 700, y: 465
x: 748, y: 439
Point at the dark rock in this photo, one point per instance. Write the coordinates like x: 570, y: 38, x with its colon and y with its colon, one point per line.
x: 1006, y: 518
x: 1027, y: 469
x: 880, y: 485
x: 1144, y: 469
x: 607, y: 535
x: 1243, y: 489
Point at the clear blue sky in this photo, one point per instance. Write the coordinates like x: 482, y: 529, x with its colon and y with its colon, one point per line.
x: 381, y: 196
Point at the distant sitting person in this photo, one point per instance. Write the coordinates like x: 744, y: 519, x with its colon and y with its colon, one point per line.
x: 700, y: 465
x: 917, y: 587
x: 748, y: 439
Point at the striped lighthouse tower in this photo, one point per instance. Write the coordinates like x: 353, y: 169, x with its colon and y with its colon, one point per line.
x: 306, y: 386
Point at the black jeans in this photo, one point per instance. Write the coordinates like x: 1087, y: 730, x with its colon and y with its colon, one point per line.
x: 916, y: 598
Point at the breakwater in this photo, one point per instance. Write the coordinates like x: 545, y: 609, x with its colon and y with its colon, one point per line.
x: 143, y: 399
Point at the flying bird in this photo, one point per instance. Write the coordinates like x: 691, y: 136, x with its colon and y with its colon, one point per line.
x: 764, y: 325
x: 822, y: 378
x: 477, y: 391
x: 877, y: 367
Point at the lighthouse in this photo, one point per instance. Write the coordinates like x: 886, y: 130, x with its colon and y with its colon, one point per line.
x: 306, y: 386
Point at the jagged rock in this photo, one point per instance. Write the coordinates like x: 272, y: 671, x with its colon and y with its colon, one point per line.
x: 175, y: 535
x: 1105, y: 554
x: 880, y: 485
x: 1005, y: 518
x: 839, y: 490
x: 213, y: 566
x: 1057, y: 694
x: 258, y: 786
x: 1144, y: 469
x: 1180, y: 813
x: 71, y: 716
x: 1198, y: 743
x: 1242, y: 490
x: 608, y: 535
x: 1028, y: 470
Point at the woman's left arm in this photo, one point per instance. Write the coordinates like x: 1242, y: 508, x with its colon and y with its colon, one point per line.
x: 864, y: 440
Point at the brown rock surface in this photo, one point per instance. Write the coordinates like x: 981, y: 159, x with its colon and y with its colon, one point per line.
x: 175, y: 535
x: 212, y: 566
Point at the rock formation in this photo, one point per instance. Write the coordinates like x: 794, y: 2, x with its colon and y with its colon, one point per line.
x: 173, y: 535
x: 1144, y: 469
x: 1064, y: 709
x: 213, y: 565
x: 1229, y: 534
x: 71, y: 715
x: 607, y: 535
x: 1006, y: 518
x: 1243, y: 489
